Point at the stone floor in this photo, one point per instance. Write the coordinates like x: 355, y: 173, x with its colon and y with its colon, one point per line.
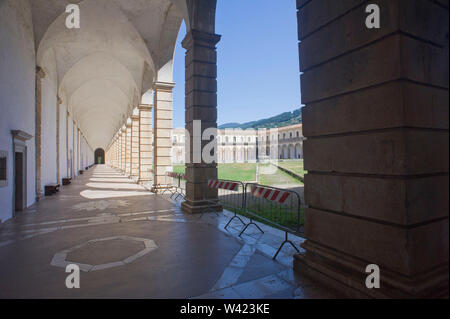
x: 130, y: 243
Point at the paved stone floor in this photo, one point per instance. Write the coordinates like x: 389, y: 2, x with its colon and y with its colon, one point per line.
x: 130, y: 243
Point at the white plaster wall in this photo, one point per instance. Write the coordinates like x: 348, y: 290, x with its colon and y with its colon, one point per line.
x: 76, y: 150
x: 49, y: 100
x: 70, y: 145
x: 63, y: 140
x: 17, y: 92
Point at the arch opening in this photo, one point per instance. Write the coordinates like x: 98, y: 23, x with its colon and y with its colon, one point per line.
x: 99, y: 156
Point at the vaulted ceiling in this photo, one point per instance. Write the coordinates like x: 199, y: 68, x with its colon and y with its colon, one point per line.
x: 102, y: 69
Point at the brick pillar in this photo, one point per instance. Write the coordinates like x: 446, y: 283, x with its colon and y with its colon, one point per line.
x: 376, y: 123
x: 40, y: 74
x: 162, y: 144
x: 135, y: 146
x: 145, y: 143
x: 128, y: 150
x: 201, y: 104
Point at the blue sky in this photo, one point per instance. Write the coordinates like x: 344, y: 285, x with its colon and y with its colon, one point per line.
x: 258, y: 72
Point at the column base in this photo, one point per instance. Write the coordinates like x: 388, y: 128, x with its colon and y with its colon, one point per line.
x: 39, y: 197
x: 346, y: 275
x: 144, y: 181
x: 199, y: 207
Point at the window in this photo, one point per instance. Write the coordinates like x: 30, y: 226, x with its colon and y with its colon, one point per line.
x: 298, y: 134
x: 175, y: 139
x: 226, y: 139
x: 284, y: 136
x: 290, y: 135
x: 3, y: 168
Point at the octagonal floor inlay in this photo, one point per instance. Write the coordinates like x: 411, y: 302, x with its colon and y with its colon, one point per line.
x: 103, y: 253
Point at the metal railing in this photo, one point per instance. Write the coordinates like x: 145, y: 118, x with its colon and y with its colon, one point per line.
x: 278, y: 207
x: 172, y: 185
x: 231, y: 196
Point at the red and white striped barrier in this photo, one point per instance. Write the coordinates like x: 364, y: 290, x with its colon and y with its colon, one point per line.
x: 172, y: 174
x: 223, y: 185
x: 273, y: 195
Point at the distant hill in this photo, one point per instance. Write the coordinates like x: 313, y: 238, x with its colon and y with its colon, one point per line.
x: 283, y: 119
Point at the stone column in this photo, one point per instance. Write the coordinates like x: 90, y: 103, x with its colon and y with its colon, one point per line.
x: 40, y: 74
x: 128, y: 150
x: 113, y: 152
x: 377, y: 146
x: 119, y: 149
x: 123, y: 142
x: 74, y: 137
x: 135, y: 146
x: 162, y: 144
x: 67, y: 145
x: 201, y: 104
x: 145, y: 143
x: 78, y: 150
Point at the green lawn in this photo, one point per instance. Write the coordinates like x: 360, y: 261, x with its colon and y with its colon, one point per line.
x: 246, y: 172
x: 179, y: 169
x: 293, y: 165
x: 279, y: 178
x: 282, y: 216
x: 269, y: 175
x: 233, y: 171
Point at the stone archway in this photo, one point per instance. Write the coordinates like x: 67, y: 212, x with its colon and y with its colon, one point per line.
x: 298, y: 151
x: 99, y: 156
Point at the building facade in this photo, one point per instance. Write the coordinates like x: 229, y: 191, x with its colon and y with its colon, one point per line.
x: 240, y: 146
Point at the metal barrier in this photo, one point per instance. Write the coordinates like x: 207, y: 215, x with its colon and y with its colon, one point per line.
x: 231, y: 195
x: 172, y: 185
x: 278, y: 207
x: 275, y: 206
x: 182, y: 185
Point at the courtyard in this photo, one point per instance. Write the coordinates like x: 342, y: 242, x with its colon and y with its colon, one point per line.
x: 103, y: 222
x: 93, y: 94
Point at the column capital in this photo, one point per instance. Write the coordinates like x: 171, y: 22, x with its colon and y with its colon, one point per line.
x: 201, y: 38
x: 145, y: 106
x: 163, y: 86
x: 40, y: 72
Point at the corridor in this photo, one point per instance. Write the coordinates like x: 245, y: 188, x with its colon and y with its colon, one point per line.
x: 130, y: 243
